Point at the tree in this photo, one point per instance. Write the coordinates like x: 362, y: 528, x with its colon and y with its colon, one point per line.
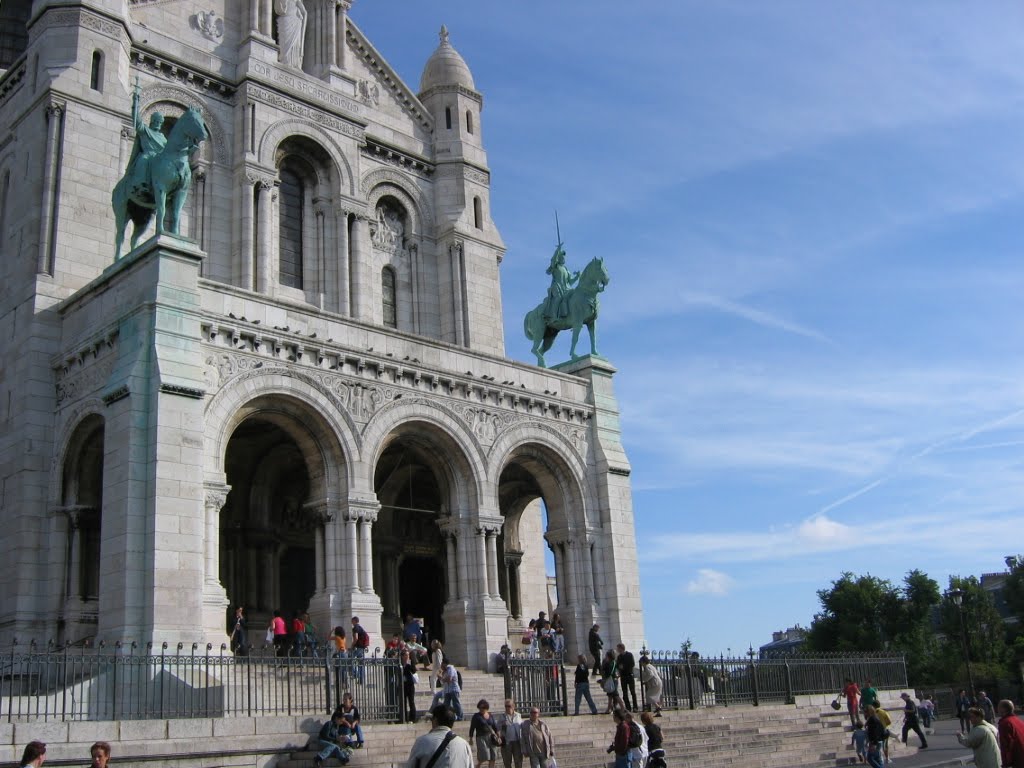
x: 982, y: 625
x: 1013, y: 589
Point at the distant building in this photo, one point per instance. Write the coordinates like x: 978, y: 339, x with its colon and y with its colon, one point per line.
x: 784, y: 643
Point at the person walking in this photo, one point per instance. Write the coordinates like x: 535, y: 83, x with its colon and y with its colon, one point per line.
x: 99, y: 754
x: 409, y: 678
x: 279, y: 633
x: 34, y: 755
x: 583, y: 685
x: 536, y: 741
x: 627, y: 666
x: 509, y: 726
x: 239, y: 634
x: 984, y: 703
x: 484, y: 729
x: 620, y: 743
x: 651, y: 680
x: 440, y: 747
x: 595, y: 644
x: 610, y: 682
x: 451, y: 690
x: 983, y: 738
x: 876, y: 737
x: 910, y: 722
x: 961, y: 704
x: 852, y: 693
x: 1011, y: 735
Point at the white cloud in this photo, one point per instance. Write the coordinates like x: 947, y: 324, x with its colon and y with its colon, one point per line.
x: 756, y: 316
x: 710, y: 582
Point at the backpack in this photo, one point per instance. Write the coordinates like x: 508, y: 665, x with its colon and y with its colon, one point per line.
x: 635, y: 739
x: 363, y: 641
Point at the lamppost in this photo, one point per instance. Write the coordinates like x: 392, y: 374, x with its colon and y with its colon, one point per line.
x: 957, y: 595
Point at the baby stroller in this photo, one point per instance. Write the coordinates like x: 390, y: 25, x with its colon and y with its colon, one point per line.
x: 657, y: 759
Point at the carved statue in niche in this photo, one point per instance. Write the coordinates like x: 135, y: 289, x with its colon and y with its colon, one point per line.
x: 388, y: 231
x: 291, y: 31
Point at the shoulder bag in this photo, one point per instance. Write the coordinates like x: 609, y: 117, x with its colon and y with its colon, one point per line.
x: 440, y: 749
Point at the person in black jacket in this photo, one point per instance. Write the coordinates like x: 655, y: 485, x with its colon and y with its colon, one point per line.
x: 583, y: 685
x: 627, y: 666
x: 876, y: 737
x: 596, y: 644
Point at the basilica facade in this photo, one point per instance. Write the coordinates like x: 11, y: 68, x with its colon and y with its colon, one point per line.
x: 303, y: 402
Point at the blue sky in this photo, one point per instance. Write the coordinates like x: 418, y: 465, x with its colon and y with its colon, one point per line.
x: 813, y: 215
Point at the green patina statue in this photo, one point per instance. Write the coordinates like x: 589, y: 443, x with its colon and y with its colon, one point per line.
x: 158, y: 169
x: 566, y: 306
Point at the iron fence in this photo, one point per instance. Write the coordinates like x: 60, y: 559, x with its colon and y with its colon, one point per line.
x: 132, y: 683
x: 691, y: 682
x: 537, y: 683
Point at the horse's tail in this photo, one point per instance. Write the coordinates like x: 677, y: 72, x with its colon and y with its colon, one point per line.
x: 526, y: 324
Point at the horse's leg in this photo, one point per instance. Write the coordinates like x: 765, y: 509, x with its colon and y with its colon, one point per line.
x: 176, y: 205
x: 575, y: 337
x: 592, y: 327
x: 160, y: 196
x: 120, y: 222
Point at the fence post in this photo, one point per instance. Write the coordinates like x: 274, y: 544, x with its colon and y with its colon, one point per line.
x: 689, y: 681
x: 565, y: 690
x: 508, y: 678
x: 753, y: 678
x: 790, y: 699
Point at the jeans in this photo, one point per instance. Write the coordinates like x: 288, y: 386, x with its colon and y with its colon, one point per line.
x: 624, y: 761
x: 512, y: 754
x: 628, y: 687
x: 330, y: 749
x: 360, y: 668
x: 454, y: 701
x: 583, y: 692
x: 538, y: 761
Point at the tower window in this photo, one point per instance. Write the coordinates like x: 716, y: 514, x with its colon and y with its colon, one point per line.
x: 478, y: 215
x: 387, y: 285
x: 448, y: 118
x: 96, y: 76
x: 469, y: 122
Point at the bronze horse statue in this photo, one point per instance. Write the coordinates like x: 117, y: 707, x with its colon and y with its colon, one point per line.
x: 146, y: 186
x: 582, y: 308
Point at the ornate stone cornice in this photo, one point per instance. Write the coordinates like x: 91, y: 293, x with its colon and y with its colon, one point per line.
x: 181, y: 72
x: 378, y: 150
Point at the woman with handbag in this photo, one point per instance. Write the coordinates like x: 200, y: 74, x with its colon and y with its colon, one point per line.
x: 409, y: 680
x: 485, y: 730
x: 610, y: 682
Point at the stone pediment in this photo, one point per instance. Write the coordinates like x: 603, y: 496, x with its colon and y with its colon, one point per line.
x: 377, y: 84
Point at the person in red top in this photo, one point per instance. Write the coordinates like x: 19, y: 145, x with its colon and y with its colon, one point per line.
x: 852, y: 692
x: 621, y: 744
x: 1011, y: 736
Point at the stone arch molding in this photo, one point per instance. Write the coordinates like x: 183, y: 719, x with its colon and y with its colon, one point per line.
x: 223, y: 407
x: 384, y: 181
x: 573, y: 474
x: 408, y: 410
x: 93, y: 406
x: 289, y: 127
x: 153, y: 95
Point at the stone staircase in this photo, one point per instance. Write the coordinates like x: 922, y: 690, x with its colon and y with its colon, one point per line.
x: 770, y: 736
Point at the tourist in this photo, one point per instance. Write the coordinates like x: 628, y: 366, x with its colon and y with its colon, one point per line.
x: 339, y: 643
x: 983, y: 738
x: 876, y: 737
x: 311, y: 639
x: 394, y: 647
x: 868, y: 695
x: 335, y: 739
x: 530, y: 638
x: 360, y: 644
x: 34, y: 754
x: 984, y: 703
x: 859, y: 741
x: 279, y: 634
x: 651, y: 680
x: 298, y: 634
x: 99, y: 754
x: 924, y: 711
x: 1011, y: 736
x: 626, y: 664
x: 558, y: 630
x: 886, y: 721
x: 418, y: 652
x: 910, y: 722
x: 583, y: 685
x: 610, y: 682
x: 535, y: 739
x: 436, y: 672
x: 595, y: 644
x: 961, y: 704
x: 509, y: 724
x: 655, y: 738
x: 451, y: 690
x: 413, y: 627
x: 638, y: 741
x: 484, y: 729
x: 852, y: 693
x: 620, y: 744
x: 441, y: 740
x: 501, y: 659
x: 409, y: 680
x: 239, y: 634
x: 351, y: 713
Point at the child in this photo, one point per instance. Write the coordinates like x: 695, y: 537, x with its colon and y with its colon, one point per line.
x: 860, y: 741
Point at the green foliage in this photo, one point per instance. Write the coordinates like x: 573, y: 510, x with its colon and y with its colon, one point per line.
x: 981, y: 623
x: 1013, y: 589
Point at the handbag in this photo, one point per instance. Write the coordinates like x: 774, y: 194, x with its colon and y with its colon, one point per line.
x: 415, y: 678
x: 270, y: 636
x: 609, y: 686
x: 835, y: 703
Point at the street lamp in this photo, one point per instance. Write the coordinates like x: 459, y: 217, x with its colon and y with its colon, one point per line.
x: 957, y: 595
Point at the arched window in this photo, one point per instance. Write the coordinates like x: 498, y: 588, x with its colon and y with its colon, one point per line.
x: 469, y: 122
x: 293, y: 194
x: 387, y: 286
x: 96, y: 77
x: 448, y: 118
x: 478, y: 214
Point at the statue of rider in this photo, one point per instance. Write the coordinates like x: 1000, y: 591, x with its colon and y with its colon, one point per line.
x: 561, y: 282
x: 149, y: 141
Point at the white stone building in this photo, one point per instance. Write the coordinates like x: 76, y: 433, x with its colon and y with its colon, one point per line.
x: 307, y: 402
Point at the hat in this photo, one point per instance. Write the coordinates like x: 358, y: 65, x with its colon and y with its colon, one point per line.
x: 904, y: 695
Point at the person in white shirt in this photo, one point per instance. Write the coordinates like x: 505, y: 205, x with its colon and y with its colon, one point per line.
x: 452, y: 751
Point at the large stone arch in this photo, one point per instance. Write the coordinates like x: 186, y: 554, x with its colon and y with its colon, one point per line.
x: 287, y: 128
x: 156, y: 95
x: 329, y: 424
x: 464, y: 466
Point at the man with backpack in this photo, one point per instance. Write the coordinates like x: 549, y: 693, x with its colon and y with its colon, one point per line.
x: 627, y: 740
x: 441, y: 748
x: 360, y: 644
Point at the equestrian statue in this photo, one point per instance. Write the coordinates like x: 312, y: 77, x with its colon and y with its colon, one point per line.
x: 571, y: 303
x: 158, y: 171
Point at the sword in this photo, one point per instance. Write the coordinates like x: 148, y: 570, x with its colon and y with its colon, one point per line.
x: 558, y: 231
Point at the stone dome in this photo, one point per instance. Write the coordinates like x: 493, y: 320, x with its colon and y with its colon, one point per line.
x: 446, y: 67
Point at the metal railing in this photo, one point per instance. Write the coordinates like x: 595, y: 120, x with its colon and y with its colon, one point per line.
x: 133, y: 683
x: 691, y: 682
x: 537, y: 683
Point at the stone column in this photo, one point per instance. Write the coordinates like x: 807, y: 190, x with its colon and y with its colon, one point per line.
x: 245, y: 259
x: 266, y: 17
x: 342, y: 305
x: 198, y: 195
x: 587, y: 567
x: 480, y: 569
x: 351, y: 555
x: 453, y: 573
x: 342, y: 24
x: 216, y: 496
x: 455, y: 253
x: 366, y: 550
x: 513, y: 560
x: 360, y: 265
x: 74, y: 563
x: 331, y: 553
x: 51, y: 165
x: 254, y: 15
x: 265, y: 277
x: 492, y: 563
x: 414, y: 280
